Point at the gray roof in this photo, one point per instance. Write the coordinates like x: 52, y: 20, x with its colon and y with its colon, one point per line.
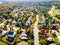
x: 3, y: 32
x: 14, y: 33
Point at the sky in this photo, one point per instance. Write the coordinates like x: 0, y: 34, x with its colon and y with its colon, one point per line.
x: 29, y: 0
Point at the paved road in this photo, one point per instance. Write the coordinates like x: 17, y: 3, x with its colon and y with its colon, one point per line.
x: 36, y: 31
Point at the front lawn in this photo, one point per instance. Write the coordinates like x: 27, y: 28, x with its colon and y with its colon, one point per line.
x: 56, y: 40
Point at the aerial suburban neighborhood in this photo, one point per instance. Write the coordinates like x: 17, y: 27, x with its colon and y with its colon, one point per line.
x: 30, y: 22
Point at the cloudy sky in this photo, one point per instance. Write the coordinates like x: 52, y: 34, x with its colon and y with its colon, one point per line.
x: 29, y: 0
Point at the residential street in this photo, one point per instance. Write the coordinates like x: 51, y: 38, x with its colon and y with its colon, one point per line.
x: 36, y: 31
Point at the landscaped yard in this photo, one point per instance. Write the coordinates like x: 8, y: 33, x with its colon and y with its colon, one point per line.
x: 56, y: 40
x: 2, y: 43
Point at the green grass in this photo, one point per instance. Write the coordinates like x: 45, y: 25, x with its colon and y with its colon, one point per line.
x: 5, y: 39
x: 54, y: 14
x: 56, y: 40
x: 30, y: 42
x: 2, y: 43
x: 17, y: 38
